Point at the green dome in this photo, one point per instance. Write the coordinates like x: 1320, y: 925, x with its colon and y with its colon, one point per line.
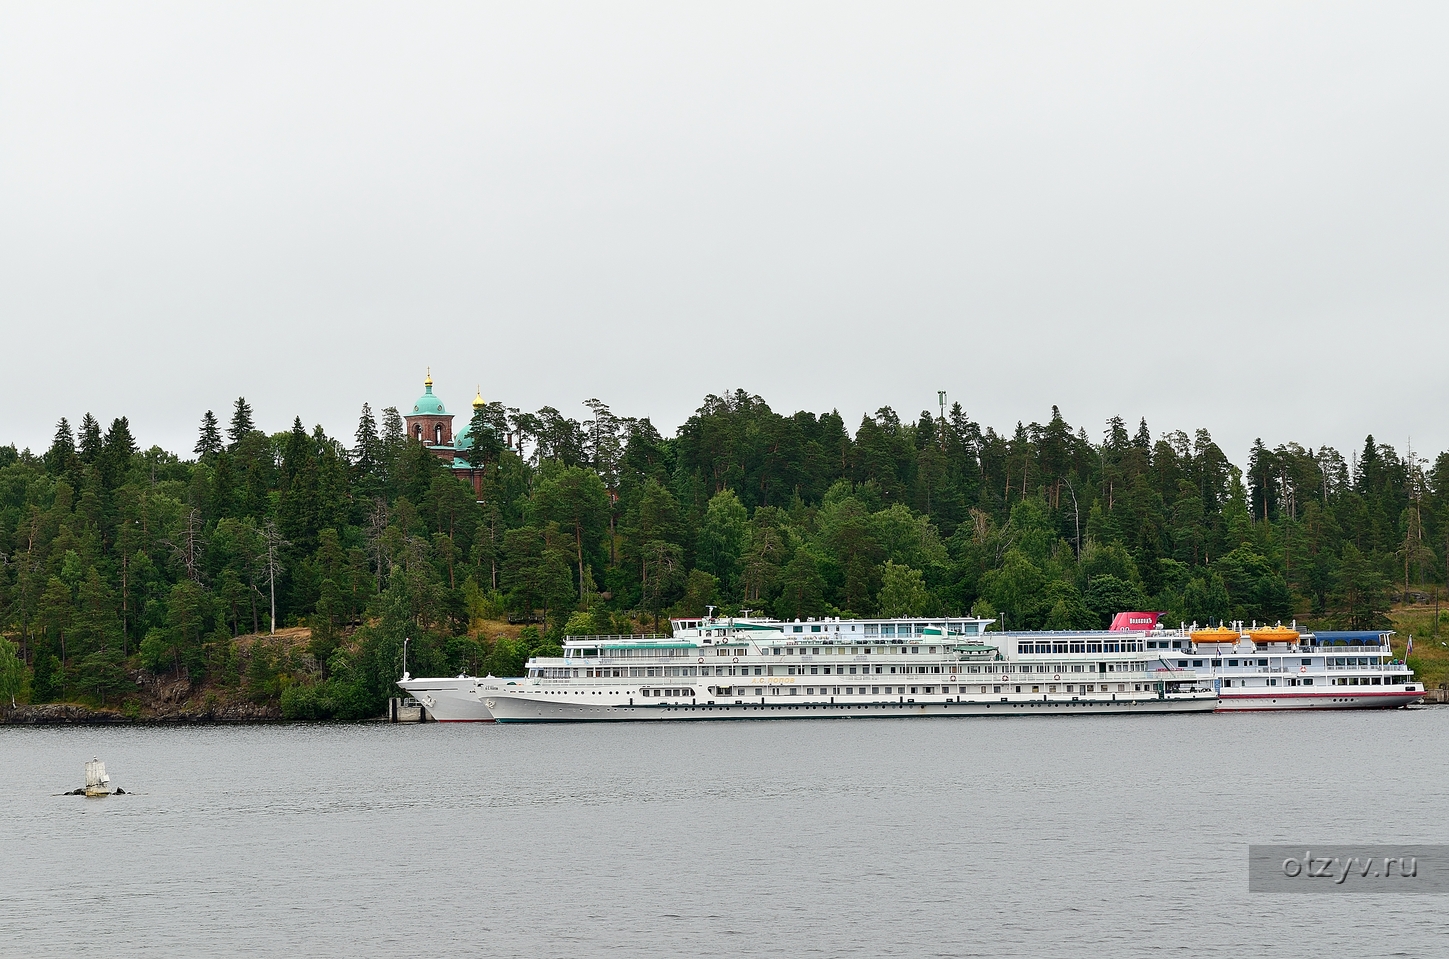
x: 428, y: 404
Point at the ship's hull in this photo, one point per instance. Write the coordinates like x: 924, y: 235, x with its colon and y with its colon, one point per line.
x: 1232, y: 702
x: 457, y: 700
x: 517, y: 708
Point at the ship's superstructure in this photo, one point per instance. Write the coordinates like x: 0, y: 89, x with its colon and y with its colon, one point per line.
x: 760, y: 668
x: 1279, y: 667
x: 722, y: 668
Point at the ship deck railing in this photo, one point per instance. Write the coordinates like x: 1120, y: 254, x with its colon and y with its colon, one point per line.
x: 1295, y: 670
x: 616, y: 638
x: 1216, y: 650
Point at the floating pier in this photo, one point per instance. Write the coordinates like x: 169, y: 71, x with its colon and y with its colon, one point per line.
x: 406, y: 709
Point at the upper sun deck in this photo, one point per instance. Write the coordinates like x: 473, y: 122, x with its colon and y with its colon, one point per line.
x: 832, y: 629
x: 695, y: 633
x: 1355, y: 641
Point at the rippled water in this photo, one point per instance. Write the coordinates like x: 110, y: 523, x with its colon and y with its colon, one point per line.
x: 1029, y: 836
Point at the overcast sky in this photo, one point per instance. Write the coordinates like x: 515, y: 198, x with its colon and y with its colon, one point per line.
x: 1221, y: 216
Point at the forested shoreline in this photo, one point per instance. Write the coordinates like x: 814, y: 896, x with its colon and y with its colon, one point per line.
x: 120, y: 566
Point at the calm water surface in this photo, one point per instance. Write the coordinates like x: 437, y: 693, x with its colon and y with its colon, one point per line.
x: 1021, y: 836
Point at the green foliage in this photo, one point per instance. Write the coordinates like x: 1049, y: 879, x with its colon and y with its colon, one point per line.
x: 1360, y: 592
x: 1017, y: 590
x: 903, y: 591
x: 701, y: 590
x: 12, y: 671
x: 508, y: 658
x: 102, y: 674
x: 802, y: 592
x: 724, y: 534
x: 118, y: 559
x: 1067, y: 609
x: 333, y: 698
x: 1108, y: 595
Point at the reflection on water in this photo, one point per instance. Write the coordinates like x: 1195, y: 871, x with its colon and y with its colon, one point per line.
x: 1051, y: 836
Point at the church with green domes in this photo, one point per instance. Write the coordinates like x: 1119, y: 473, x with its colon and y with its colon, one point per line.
x: 431, y: 424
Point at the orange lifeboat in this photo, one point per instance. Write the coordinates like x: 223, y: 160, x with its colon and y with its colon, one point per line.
x: 1273, y: 634
x: 1218, y: 634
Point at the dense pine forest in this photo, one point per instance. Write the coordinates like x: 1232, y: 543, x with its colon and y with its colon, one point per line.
x: 120, y: 566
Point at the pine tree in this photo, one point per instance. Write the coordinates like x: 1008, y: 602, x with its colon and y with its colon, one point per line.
x: 297, y: 507
x: 392, y: 446
x: 116, y: 451
x: 90, y: 439
x: 241, y: 422
x: 485, y: 431
x: 297, y: 450
x: 1143, y: 439
x: 367, y: 453
x: 209, y: 441
x: 223, y: 484
x: 393, y: 430
x: 61, y: 455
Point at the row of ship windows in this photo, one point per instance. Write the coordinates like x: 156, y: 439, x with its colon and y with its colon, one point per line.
x: 1290, y: 681
x: 918, y: 629
x: 1042, y: 668
x: 1121, y: 667
x: 828, y: 650
x: 925, y: 690
x: 876, y: 629
x: 642, y: 672
x: 1179, y: 644
x: 1344, y: 661
x: 1308, y: 681
x: 648, y: 672
x: 652, y: 652
x: 1057, y: 647
x: 688, y: 692
x: 662, y: 652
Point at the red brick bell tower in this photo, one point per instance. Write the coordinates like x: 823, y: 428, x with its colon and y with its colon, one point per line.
x: 430, y: 424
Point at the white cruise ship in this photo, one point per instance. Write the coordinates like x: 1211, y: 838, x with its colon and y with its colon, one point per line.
x: 1278, y: 667
x: 754, y: 668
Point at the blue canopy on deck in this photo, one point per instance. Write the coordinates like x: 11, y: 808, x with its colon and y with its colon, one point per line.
x: 1351, y: 637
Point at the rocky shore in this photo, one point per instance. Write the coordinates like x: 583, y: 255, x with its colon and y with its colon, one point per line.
x: 66, y: 714
x: 158, y: 699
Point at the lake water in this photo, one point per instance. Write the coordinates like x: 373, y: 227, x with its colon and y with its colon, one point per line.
x: 1020, y: 836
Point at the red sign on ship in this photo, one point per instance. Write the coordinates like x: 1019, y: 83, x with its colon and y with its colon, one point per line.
x: 1131, y: 621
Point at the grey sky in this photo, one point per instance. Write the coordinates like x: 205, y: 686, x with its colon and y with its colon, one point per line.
x: 1221, y: 216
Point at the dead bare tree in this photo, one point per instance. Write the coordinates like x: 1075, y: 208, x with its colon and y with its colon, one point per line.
x: 191, y: 544
x: 271, y: 557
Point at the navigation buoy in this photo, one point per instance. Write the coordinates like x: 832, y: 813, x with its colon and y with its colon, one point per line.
x: 97, y: 782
